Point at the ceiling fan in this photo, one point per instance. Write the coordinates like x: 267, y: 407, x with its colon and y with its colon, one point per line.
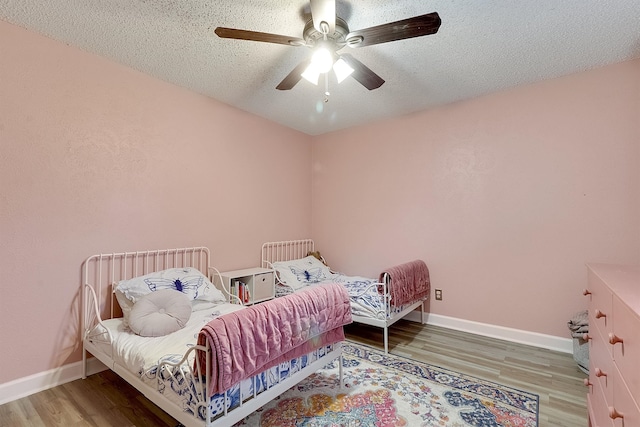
x: 326, y: 34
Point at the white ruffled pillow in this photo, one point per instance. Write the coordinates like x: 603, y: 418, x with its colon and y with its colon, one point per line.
x: 302, y: 272
x: 160, y: 313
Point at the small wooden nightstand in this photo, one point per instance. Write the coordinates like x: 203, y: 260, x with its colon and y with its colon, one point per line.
x: 250, y: 285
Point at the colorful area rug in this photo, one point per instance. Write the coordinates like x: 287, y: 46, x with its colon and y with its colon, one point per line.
x: 390, y: 391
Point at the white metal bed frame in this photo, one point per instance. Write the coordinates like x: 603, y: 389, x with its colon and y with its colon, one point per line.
x: 288, y: 250
x: 101, y: 272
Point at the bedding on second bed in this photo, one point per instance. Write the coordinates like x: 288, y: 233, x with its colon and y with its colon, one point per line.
x: 364, y: 292
x: 366, y: 300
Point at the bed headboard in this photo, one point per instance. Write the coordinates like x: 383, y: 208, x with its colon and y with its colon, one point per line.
x: 103, y: 271
x: 285, y: 251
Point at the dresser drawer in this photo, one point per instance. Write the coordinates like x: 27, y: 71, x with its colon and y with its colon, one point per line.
x: 601, y: 364
x: 598, y: 408
x: 600, y: 305
x: 623, y: 403
x: 626, y: 354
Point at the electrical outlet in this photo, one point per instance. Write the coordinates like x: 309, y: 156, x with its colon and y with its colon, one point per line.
x: 438, y: 294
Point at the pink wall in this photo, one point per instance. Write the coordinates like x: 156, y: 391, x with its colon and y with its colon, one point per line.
x: 506, y: 196
x: 96, y: 157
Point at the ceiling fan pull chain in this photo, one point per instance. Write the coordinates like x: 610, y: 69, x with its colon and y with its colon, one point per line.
x: 326, y: 87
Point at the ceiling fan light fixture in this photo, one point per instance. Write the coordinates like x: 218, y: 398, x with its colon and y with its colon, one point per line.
x: 311, y: 74
x: 321, y: 62
x: 322, y: 59
x: 342, y: 70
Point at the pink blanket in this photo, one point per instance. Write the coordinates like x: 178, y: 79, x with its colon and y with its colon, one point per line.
x: 409, y: 282
x: 249, y: 341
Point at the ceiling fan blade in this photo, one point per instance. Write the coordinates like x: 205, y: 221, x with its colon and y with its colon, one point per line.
x: 407, y: 28
x: 324, y: 11
x: 362, y: 73
x: 294, y: 76
x: 232, y: 33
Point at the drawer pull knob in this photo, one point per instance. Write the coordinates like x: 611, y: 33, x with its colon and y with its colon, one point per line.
x: 613, y: 413
x: 587, y: 383
x: 614, y: 339
x: 586, y: 337
x: 600, y: 314
x: 586, y: 292
x: 600, y: 373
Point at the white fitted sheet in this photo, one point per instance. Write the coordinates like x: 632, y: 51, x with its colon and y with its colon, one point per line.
x: 140, y: 354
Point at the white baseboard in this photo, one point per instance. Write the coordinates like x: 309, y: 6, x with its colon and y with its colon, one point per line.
x: 26, y: 386
x: 564, y: 345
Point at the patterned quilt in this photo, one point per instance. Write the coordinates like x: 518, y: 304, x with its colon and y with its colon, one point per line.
x: 364, y: 296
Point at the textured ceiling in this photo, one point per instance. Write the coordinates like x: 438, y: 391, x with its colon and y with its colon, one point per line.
x: 482, y: 47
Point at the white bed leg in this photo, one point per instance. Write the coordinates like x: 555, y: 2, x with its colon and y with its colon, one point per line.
x: 386, y: 340
x: 84, y: 362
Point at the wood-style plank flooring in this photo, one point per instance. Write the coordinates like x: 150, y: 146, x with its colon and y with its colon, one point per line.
x: 553, y: 375
x: 106, y: 400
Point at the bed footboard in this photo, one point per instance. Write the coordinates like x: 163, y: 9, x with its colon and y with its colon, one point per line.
x: 408, y: 282
x: 241, y: 399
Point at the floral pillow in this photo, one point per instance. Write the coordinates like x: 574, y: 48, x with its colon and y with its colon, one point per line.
x: 187, y: 280
x: 301, y: 272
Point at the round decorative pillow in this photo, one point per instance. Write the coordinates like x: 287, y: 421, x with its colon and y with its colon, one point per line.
x: 160, y: 313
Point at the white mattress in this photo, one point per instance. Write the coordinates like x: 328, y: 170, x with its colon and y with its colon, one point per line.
x: 140, y: 354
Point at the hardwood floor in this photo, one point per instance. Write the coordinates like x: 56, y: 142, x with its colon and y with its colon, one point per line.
x: 106, y: 400
x: 554, y: 376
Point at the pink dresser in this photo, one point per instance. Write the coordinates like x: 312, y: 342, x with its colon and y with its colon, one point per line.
x: 613, y: 398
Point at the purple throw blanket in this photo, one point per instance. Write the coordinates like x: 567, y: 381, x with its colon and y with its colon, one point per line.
x: 246, y: 342
x: 409, y: 282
